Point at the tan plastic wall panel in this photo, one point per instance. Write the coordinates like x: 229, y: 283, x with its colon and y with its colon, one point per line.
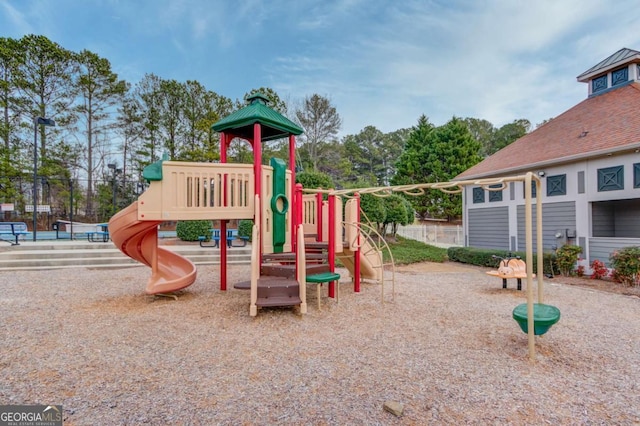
x: 309, y: 214
x: 150, y: 202
x: 194, y: 191
x: 267, y: 212
x: 325, y: 220
x: 350, y: 228
x: 338, y: 226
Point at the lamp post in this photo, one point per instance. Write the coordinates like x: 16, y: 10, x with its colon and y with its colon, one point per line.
x: 43, y: 122
x: 116, y: 171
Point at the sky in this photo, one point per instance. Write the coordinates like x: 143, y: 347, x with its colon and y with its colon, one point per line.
x: 380, y: 63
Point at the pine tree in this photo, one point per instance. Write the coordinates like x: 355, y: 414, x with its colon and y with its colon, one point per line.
x: 437, y: 155
x: 100, y: 92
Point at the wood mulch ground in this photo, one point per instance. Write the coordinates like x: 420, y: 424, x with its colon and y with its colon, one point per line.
x: 606, y: 285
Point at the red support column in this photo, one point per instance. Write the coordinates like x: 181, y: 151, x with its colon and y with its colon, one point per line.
x: 257, y: 171
x: 296, y: 213
x: 332, y: 242
x: 356, y: 259
x: 292, y: 167
x: 223, y: 225
x: 223, y: 147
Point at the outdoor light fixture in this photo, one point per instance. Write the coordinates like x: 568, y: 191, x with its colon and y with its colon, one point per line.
x: 42, y: 122
x: 541, y: 173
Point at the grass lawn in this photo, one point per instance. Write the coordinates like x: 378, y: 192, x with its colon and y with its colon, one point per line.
x: 407, y: 251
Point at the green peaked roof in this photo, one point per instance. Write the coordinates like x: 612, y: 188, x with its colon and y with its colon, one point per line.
x: 274, y: 125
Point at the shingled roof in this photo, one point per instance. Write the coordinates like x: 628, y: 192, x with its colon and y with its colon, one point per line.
x: 600, y: 125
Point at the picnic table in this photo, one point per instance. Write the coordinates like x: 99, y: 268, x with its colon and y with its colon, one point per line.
x: 232, y: 236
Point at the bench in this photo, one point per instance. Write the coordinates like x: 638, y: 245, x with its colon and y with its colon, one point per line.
x: 511, y: 267
x: 95, y: 232
x: 16, y: 229
x: 100, y: 234
x: 215, y: 237
x: 232, y: 235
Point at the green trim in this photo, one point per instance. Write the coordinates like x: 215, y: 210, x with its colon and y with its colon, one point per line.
x: 495, y: 195
x: 478, y: 195
x: 611, y: 179
x: 154, y: 170
x: 279, y: 214
x: 556, y: 185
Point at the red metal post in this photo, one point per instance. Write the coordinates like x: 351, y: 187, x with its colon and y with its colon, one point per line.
x: 296, y: 213
x: 223, y: 147
x: 223, y: 225
x: 257, y: 171
x: 292, y: 167
x: 356, y: 258
x: 332, y: 242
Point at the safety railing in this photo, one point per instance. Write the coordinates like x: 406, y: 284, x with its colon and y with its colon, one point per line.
x: 193, y: 191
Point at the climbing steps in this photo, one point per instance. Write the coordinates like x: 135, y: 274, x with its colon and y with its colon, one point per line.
x: 278, y: 291
x: 277, y: 285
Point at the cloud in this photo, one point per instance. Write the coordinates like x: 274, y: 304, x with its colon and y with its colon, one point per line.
x: 16, y: 18
x: 382, y: 63
x: 499, y: 60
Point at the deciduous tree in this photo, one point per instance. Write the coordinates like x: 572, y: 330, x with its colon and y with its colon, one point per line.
x: 321, y: 123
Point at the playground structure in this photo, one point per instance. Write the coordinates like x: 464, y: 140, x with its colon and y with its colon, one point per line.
x: 291, y: 227
x: 297, y: 234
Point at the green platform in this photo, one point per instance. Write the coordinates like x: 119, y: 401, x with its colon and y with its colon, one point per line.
x: 544, y: 316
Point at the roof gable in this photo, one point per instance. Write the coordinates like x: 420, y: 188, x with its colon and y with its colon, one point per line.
x: 600, y: 124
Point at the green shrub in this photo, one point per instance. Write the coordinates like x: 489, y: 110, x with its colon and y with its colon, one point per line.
x: 475, y: 256
x: 626, y: 265
x: 190, y: 230
x: 373, y: 208
x: 566, y: 258
x: 245, y: 228
x: 314, y: 180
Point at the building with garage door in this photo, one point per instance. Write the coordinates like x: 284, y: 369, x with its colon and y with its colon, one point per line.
x: 588, y: 159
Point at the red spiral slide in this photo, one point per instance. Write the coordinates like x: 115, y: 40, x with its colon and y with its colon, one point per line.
x: 139, y: 240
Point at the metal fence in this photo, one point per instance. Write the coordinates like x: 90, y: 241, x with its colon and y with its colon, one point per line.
x: 436, y: 235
